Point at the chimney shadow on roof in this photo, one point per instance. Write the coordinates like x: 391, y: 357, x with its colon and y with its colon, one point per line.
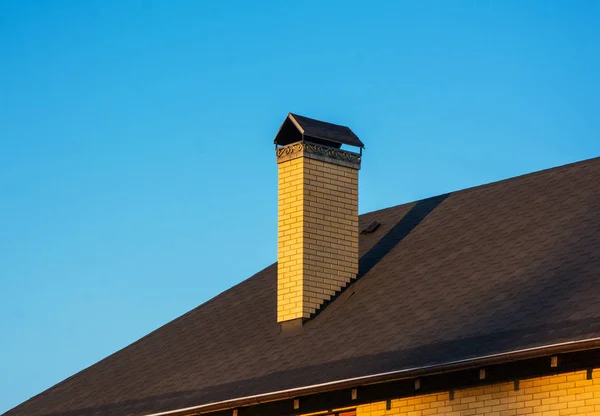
x: 391, y: 239
x: 398, y: 232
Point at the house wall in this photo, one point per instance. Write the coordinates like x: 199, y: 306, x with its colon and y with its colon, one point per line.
x: 557, y: 395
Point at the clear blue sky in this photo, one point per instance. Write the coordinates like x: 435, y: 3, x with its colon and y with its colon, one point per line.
x: 137, y: 173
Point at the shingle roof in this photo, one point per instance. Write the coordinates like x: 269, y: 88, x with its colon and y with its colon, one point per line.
x: 509, y: 265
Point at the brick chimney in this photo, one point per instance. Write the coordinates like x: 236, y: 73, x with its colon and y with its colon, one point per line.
x: 318, y: 214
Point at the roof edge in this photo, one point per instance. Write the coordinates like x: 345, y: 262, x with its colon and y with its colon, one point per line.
x: 477, y: 187
x: 500, y: 358
x: 292, y: 118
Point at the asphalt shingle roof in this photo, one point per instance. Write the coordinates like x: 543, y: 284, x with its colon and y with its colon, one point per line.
x: 510, y: 265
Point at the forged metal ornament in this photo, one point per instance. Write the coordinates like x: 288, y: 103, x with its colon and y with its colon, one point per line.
x: 319, y: 150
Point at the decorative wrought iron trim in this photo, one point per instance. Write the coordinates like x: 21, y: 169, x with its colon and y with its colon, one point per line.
x: 315, y: 149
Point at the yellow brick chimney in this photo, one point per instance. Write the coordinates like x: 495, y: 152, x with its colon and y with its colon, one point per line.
x: 317, y: 214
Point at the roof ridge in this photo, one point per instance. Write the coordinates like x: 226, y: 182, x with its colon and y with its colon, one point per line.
x: 489, y: 184
x: 529, y: 174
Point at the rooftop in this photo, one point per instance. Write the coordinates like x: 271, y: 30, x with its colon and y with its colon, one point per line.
x: 506, y: 266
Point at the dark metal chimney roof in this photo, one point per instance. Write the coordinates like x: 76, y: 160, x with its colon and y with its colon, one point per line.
x: 297, y: 128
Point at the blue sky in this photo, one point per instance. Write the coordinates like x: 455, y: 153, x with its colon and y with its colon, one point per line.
x: 137, y: 173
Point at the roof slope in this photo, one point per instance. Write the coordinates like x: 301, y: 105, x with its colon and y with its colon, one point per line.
x: 504, y: 266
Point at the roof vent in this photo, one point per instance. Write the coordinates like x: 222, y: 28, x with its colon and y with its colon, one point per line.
x: 370, y: 228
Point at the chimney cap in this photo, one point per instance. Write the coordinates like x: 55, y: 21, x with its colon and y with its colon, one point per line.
x: 298, y: 128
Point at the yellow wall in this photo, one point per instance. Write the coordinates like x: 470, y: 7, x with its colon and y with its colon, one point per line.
x: 289, y: 245
x: 565, y: 394
x: 318, y: 234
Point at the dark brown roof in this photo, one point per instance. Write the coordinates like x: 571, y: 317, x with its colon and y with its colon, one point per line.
x: 509, y: 265
x: 296, y: 128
